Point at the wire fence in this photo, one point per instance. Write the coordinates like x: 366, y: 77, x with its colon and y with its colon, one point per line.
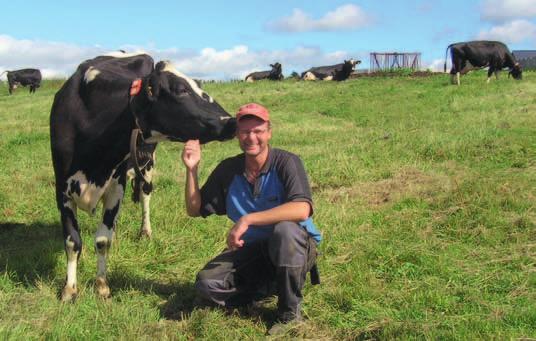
x: 527, y: 59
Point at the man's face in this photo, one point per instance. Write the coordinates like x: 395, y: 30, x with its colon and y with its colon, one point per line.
x: 253, y: 135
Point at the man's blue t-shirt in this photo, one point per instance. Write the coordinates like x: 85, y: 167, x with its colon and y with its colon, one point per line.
x: 282, y: 179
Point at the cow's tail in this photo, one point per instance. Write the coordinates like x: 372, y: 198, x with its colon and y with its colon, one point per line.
x: 446, y: 56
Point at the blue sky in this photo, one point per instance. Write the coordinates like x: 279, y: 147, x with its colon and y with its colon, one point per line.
x: 228, y: 39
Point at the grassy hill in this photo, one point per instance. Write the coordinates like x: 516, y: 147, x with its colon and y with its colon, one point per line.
x: 424, y: 192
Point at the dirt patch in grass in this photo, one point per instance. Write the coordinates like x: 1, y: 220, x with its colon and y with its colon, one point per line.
x: 407, y: 183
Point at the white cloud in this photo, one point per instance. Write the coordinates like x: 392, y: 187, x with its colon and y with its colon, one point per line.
x: 237, y: 62
x: 511, y: 32
x: 56, y: 59
x: 504, y: 10
x: 53, y: 58
x: 346, y: 17
x: 436, y: 65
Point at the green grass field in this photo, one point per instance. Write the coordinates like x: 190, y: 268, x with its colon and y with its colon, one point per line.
x: 425, y: 194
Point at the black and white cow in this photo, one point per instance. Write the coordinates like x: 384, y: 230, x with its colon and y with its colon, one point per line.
x: 275, y: 74
x: 24, y: 77
x: 337, y: 72
x: 92, y: 122
x: 471, y: 55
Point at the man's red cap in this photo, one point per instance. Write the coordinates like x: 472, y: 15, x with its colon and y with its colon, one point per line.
x: 253, y: 109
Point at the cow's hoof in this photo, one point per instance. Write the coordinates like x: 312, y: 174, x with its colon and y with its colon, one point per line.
x: 102, y: 288
x: 145, y: 234
x: 68, y: 294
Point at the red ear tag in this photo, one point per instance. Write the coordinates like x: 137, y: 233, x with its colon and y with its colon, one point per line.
x: 135, y: 88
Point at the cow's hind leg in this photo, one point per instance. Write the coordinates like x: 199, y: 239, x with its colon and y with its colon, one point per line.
x: 73, y: 248
x: 103, y: 238
x: 452, y: 75
x: 457, y: 66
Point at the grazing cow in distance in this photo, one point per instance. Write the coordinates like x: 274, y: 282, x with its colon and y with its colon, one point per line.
x: 479, y: 54
x: 337, y: 72
x: 113, y: 109
x: 24, y: 77
x: 276, y: 74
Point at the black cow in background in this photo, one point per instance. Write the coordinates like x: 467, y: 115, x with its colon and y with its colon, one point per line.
x: 480, y: 54
x: 275, y: 74
x: 112, y: 108
x: 24, y: 77
x: 337, y: 72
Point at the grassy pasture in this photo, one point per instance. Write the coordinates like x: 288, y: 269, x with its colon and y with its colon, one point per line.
x: 425, y: 194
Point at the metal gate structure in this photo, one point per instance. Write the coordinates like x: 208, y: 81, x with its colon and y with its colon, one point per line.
x: 389, y: 61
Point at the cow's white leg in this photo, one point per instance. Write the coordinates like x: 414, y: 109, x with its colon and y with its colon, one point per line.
x: 489, y: 79
x: 458, y: 78
x: 73, y: 247
x: 145, y: 199
x: 104, y: 236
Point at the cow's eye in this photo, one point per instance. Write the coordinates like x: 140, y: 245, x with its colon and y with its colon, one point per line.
x: 183, y: 91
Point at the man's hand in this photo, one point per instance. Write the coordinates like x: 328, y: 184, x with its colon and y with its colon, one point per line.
x: 191, y: 154
x: 233, y: 238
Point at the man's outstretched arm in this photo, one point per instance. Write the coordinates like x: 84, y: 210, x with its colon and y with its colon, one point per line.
x: 191, y: 156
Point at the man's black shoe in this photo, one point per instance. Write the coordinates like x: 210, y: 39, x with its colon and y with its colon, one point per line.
x: 286, y: 323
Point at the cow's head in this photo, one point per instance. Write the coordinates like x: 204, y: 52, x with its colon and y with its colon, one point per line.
x: 171, y: 106
x: 348, y: 66
x: 354, y: 63
x: 276, y: 67
x: 516, y: 71
x: 276, y: 70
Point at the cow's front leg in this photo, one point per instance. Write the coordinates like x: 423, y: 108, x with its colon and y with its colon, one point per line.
x: 145, y: 199
x: 73, y: 248
x: 103, y: 238
x: 142, y: 189
x: 490, y: 72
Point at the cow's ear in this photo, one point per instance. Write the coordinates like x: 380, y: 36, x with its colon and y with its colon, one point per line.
x: 160, y: 66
